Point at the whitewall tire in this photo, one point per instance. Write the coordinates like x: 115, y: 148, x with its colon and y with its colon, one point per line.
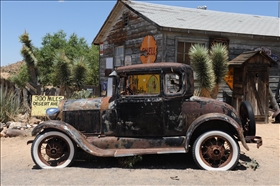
x: 216, y: 150
x: 53, y: 150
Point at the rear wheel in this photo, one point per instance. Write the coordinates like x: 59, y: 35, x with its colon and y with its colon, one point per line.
x: 53, y: 150
x: 216, y: 150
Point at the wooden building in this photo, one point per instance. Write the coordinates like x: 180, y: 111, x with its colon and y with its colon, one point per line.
x: 251, y: 81
x: 139, y: 32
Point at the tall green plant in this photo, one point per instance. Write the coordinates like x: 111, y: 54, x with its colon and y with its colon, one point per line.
x: 219, y: 58
x: 79, y: 72
x: 22, y: 77
x: 29, y: 58
x: 10, y: 106
x: 202, y: 65
x: 62, y: 73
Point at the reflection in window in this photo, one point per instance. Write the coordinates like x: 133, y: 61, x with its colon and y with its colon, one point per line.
x: 119, y: 53
x: 145, y: 84
x: 183, y: 50
x: 173, y: 83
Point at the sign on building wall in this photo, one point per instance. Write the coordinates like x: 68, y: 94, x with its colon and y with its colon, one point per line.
x: 223, y: 41
x: 229, y: 78
x: 41, y: 103
x: 148, y: 50
x: 127, y: 60
x: 101, y: 50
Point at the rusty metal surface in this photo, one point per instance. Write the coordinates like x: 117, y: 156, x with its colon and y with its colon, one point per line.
x: 107, y: 142
x: 254, y: 139
x: 113, y: 146
x: 197, y: 106
x: 206, y: 119
x: 152, y: 67
x: 82, y: 104
x: 124, y: 125
x: 74, y: 134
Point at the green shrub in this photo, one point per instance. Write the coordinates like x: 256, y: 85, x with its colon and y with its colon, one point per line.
x: 10, y: 106
x: 81, y: 94
x: 129, y: 162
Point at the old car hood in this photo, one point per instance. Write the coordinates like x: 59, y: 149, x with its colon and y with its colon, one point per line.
x: 101, y: 103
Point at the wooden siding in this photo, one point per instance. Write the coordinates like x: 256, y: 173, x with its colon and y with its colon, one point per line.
x: 132, y: 34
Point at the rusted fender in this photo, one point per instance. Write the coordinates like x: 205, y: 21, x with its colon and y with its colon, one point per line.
x: 214, y: 116
x: 75, y: 135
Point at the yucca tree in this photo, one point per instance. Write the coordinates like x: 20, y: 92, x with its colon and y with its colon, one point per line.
x: 202, y: 65
x: 219, y: 58
x: 30, y: 60
x: 62, y: 72
x: 79, y: 72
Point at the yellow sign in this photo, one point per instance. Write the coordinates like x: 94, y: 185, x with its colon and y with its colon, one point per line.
x: 145, y: 84
x: 229, y: 78
x: 41, y: 103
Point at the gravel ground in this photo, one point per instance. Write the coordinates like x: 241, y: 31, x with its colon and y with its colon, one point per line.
x: 17, y: 167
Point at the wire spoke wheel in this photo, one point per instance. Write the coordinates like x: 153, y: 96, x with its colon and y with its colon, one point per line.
x: 52, y: 150
x: 216, y: 150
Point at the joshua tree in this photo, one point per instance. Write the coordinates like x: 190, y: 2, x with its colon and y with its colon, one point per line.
x: 210, y: 68
x: 30, y: 60
x: 219, y: 58
x: 202, y: 65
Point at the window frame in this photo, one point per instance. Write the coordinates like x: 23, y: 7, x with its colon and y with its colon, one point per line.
x: 124, y: 82
x: 204, y: 41
x: 119, y: 56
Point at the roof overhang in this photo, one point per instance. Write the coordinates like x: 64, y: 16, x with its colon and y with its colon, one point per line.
x: 245, y: 56
x: 103, y: 32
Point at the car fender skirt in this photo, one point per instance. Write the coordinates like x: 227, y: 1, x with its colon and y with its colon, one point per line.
x: 74, y: 134
x: 211, y: 117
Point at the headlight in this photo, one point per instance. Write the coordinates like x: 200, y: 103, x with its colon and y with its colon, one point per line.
x: 52, y: 113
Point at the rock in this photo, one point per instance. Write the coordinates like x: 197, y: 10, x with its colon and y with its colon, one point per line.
x: 23, y: 117
x: 16, y: 125
x: 8, y: 123
x: 34, y: 120
x: 14, y: 133
x: 3, y: 132
x: 2, y: 125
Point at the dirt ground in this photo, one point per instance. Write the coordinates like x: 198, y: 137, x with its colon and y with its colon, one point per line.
x: 17, y: 167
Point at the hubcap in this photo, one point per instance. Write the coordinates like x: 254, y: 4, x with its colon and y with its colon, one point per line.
x: 54, y: 149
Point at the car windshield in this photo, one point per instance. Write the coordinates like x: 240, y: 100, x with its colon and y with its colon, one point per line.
x: 140, y: 84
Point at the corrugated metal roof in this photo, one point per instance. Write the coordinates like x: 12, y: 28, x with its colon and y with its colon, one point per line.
x: 207, y: 20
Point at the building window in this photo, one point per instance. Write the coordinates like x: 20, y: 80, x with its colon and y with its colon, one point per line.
x: 183, y: 50
x: 119, y: 56
x: 125, y: 18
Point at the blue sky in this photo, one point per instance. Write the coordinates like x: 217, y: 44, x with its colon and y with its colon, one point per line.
x: 85, y: 18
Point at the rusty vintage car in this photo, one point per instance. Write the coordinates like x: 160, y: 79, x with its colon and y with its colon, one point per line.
x: 152, y: 110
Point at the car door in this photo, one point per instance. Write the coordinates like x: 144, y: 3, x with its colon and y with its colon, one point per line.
x: 172, y: 104
x: 140, y: 111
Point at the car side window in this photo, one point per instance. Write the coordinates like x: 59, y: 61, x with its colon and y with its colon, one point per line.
x: 141, y: 84
x: 173, y: 83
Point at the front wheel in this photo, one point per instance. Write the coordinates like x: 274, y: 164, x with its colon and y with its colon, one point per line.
x: 216, y: 150
x: 52, y: 150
